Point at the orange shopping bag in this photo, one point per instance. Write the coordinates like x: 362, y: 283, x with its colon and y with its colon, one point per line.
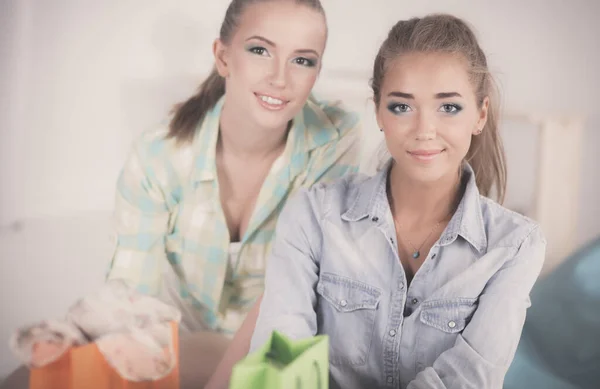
x: 85, y: 367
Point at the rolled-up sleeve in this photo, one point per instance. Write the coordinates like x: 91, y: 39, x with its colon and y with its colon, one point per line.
x: 289, y: 300
x: 483, y: 352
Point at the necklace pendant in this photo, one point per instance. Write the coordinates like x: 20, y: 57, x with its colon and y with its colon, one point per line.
x: 416, y: 254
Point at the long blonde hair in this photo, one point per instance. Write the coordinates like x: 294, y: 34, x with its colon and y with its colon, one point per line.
x: 449, y: 34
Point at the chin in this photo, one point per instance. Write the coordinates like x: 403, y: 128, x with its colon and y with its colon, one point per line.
x: 272, y: 120
x: 426, y: 176
x: 272, y: 124
x: 423, y: 173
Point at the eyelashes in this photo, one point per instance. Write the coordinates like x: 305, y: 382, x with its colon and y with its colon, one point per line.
x: 301, y: 61
x: 258, y: 50
x: 402, y: 108
x: 399, y: 108
x: 451, y: 108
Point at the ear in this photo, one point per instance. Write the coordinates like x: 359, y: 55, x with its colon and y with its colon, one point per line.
x: 221, y: 61
x: 378, y: 116
x: 483, y: 115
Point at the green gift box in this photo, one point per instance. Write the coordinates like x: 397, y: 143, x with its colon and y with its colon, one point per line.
x: 283, y: 363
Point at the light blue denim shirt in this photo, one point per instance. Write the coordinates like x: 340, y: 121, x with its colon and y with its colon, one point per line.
x: 334, y: 269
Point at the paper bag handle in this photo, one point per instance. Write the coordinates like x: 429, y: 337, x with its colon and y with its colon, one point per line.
x: 318, y: 371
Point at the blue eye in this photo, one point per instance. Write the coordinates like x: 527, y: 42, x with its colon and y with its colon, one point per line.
x: 450, y: 108
x: 309, y: 63
x: 399, y: 108
x: 258, y: 50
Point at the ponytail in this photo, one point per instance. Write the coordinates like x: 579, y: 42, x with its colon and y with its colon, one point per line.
x: 189, y: 114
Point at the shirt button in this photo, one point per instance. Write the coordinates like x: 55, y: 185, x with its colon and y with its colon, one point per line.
x: 343, y: 303
x: 415, y: 301
x: 390, y: 379
x: 451, y: 324
x: 392, y: 332
x: 375, y: 219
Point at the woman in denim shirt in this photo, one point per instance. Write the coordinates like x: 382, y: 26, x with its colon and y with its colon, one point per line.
x: 417, y: 277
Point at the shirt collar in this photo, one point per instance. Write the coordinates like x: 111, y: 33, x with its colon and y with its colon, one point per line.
x: 311, y: 128
x: 467, y: 221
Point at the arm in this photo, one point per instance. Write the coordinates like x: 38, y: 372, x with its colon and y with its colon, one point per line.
x: 329, y: 163
x: 483, y: 352
x: 238, y: 349
x: 141, y: 217
x: 289, y: 300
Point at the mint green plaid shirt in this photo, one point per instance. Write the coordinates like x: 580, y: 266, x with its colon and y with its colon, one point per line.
x: 168, y: 209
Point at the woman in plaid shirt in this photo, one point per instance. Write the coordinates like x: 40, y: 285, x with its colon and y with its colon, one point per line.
x: 198, y: 199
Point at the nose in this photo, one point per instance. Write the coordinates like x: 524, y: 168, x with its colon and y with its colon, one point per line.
x: 425, y: 127
x: 278, y: 75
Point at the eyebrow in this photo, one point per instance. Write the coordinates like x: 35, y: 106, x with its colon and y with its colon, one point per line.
x: 307, y: 51
x: 260, y: 38
x: 401, y: 94
x: 271, y: 43
x: 441, y: 95
x: 445, y: 95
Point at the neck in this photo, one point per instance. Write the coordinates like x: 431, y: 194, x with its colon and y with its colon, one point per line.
x: 418, y: 203
x: 240, y: 138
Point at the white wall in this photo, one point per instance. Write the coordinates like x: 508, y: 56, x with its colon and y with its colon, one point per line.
x: 86, y: 76
x: 79, y: 79
x: 589, y: 205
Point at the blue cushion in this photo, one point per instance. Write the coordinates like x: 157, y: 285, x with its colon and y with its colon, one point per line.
x: 560, y: 345
x: 528, y: 370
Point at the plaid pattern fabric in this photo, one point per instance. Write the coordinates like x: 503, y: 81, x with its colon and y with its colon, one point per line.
x: 168, y: 209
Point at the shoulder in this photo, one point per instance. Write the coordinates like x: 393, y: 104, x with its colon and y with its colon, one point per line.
x: 160, y: 158
x: 507, y: 228
x: 331, y: 136
x: 154, y: 144
x: 326, y: 113
x: 333, y: 197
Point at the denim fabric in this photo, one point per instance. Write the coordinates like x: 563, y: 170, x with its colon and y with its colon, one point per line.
x: 334, y: 269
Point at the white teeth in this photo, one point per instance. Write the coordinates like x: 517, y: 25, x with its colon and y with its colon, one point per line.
x: 271, y: 100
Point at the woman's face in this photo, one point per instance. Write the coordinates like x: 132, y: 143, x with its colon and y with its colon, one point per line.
x: 429, y: 112
x: 272, y: 61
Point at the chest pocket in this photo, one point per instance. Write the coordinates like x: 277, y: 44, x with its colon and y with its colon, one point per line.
x: 450, y: 316
x: 347, y: 311
x: 441, y: 321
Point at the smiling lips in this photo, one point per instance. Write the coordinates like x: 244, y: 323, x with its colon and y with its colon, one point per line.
x: 425, y: 155
x: 270, y: 102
